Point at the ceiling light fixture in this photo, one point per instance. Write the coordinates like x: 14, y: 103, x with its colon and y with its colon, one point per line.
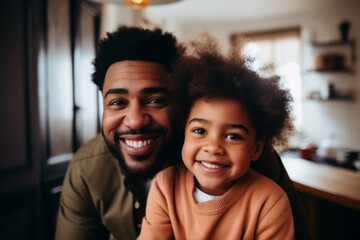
x: 137, y: 4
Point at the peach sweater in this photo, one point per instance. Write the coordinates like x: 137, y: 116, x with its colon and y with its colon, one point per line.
x: 254, y: 208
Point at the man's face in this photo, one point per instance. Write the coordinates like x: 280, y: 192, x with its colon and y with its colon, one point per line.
x: 136, y: 124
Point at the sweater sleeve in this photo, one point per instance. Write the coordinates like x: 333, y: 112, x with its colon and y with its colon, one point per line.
x: 156, y: 224
x: 276, y: 220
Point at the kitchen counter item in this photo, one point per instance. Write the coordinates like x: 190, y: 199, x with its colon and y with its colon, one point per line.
x: 331, y: 148
x: 296, y: 153
x: 307, y: 150
x: 357, y: 165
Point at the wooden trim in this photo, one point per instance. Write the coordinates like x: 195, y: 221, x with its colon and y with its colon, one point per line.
x: 266, y: 34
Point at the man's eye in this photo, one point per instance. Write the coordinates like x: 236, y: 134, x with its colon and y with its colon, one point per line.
x: 158, y: 102
x: 118, y: 103
x: 199, y: 131
x: 233, y: 136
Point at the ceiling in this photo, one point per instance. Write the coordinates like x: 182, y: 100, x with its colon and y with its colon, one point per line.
x: 233, y: 10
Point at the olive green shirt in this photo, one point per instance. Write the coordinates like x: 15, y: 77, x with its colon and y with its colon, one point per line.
x: 94, y: 200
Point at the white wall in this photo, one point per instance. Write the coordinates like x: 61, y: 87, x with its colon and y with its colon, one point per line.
x: 320, y: 119
x: 113, y: 15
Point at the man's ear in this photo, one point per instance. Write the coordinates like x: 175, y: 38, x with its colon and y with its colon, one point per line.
x: 259, y: 146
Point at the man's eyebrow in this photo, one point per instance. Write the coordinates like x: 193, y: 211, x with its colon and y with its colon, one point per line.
x: 116, y: 91
x: 154, y: 90
x: 148, y: 90
x: 240, y: 126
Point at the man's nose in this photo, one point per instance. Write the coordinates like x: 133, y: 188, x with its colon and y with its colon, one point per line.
x: 136, y: 117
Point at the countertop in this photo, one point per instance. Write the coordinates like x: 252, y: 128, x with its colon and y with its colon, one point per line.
x: 327, y: 182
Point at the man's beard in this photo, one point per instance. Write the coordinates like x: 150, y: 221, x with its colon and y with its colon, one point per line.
x: 158, y: 163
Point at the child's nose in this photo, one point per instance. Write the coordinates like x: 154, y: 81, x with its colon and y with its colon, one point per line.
x: 214, y: 147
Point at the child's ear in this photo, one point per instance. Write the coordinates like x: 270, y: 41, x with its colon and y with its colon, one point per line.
x: 259, y: 146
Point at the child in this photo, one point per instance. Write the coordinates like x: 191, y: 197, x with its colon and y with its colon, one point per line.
x: 228, y: 112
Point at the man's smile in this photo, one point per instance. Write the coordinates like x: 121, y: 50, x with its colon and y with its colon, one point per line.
x: 138, y: 143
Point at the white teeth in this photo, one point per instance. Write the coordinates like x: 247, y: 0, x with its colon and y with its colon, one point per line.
x: 210, y: 165
x: 138, y: 144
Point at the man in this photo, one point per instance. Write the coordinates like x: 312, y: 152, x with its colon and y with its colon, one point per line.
x: 105, y: 188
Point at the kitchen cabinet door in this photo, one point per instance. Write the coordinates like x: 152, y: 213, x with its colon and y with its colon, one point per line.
x: 41, y: 108
x: 20, y: 143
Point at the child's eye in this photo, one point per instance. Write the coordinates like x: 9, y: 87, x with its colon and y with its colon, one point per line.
x: 233, y: 136
x: 200, y: 131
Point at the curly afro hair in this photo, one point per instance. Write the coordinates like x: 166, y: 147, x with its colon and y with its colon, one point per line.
x: 205, y: 73
x: 135, y: 43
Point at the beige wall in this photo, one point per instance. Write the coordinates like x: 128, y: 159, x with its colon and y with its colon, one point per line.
x: 320, y: 119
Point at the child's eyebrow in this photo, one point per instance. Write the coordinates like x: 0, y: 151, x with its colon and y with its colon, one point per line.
x: 240, y: 126
x: 229, y: 125
x: 200, y: 120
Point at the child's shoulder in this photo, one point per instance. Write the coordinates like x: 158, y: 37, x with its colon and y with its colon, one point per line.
x: 263, y: 183
x: 173, y: 172
x: 172, y: 181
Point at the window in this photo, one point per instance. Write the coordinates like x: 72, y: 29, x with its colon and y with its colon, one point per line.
x: 278, y: 52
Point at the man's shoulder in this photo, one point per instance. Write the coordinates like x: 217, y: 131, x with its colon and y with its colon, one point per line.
x: 94, y: 147
x: 94, y: 156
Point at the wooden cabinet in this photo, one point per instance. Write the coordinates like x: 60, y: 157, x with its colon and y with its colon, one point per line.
x: 20, y: 149
x: 45, y: 45
x: 330, y: 196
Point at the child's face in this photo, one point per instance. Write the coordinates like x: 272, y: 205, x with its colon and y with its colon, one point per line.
x: 220, y: 143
